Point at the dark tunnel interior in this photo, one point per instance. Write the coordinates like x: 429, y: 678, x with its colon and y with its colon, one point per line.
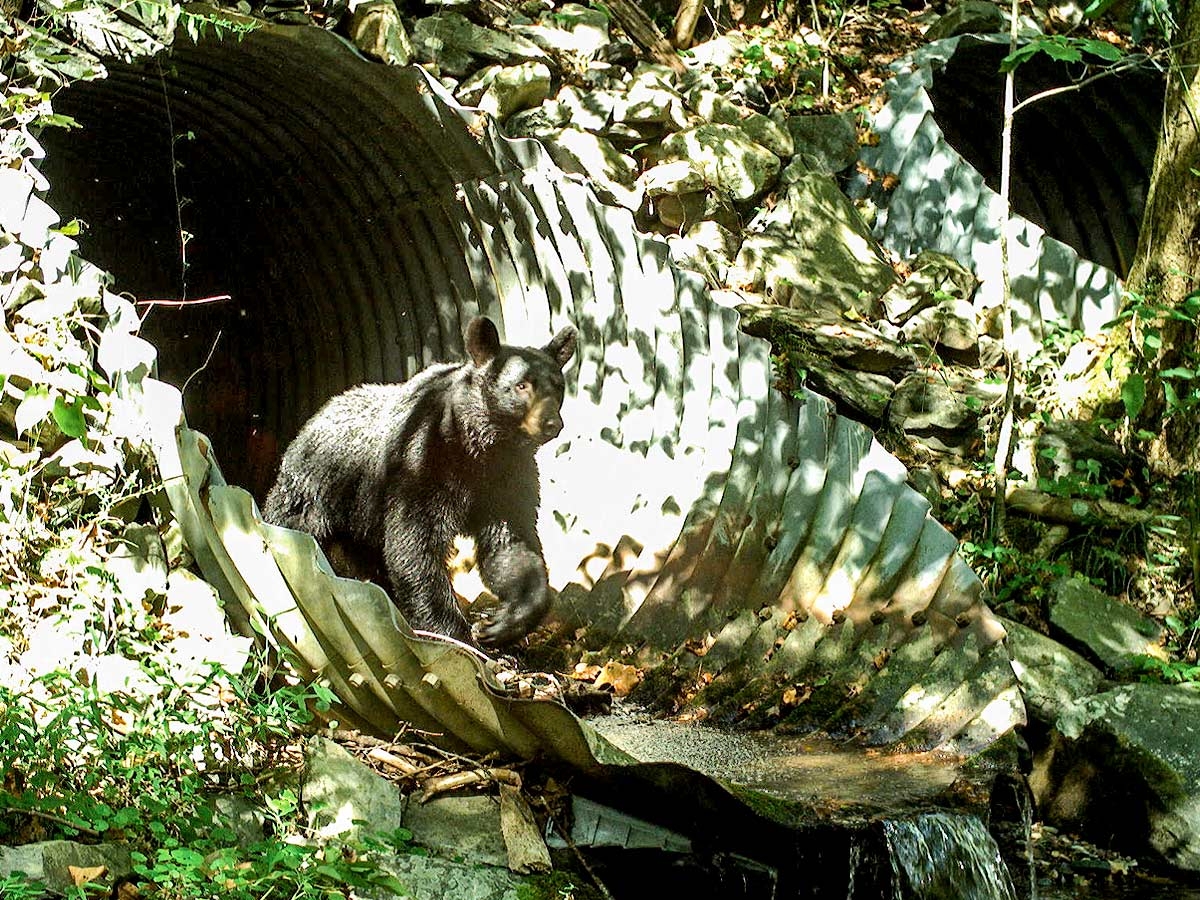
x: 1081, y: 159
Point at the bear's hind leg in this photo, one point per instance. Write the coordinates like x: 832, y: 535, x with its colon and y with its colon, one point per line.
x: 420, y: 584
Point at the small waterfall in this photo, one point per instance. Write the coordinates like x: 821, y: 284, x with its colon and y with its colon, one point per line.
x: 944, y: 856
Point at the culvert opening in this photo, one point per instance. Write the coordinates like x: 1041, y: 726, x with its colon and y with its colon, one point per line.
x: 1081, y: 159
x: 356, y: 222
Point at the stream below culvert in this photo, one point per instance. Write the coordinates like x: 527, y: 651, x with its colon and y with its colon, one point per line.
x: 909, y: 827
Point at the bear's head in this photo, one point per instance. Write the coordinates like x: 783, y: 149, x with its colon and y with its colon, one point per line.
x: 522, y: 386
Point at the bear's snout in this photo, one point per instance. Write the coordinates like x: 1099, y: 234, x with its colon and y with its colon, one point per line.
x: 543, y: 422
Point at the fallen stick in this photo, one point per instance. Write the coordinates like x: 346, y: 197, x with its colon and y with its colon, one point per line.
x: 392, y: 761
x: 443, y: 783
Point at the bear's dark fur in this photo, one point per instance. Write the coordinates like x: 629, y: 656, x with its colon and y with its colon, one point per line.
x: 385, y: 476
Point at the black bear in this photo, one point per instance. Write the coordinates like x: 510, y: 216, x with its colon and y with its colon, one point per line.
x: 385, y: 476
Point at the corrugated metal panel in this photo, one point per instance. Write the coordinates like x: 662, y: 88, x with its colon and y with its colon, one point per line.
x: 1080, y: 171
x: 358, y: 219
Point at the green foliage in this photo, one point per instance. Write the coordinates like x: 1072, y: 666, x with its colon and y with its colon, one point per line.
x: 1179, y: 385
x: 1062, y: 48
x: 1014, y: 577
x: 1146, y: 16
x: 1182, y: 666
x: 789, y: 71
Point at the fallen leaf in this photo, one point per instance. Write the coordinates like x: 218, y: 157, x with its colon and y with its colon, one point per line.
x: 81, y: 875
x: 621, y: 677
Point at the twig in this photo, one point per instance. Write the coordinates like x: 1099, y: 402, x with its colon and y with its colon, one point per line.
x: 443, y: 783
x: 1004, y: 437
x: 392, y: 761
x: 183, y: 263
x: 1129, y: 62
x: 198, y: 301
x: 57, y: 820
x: 446, y: 639
x: 211, y: 351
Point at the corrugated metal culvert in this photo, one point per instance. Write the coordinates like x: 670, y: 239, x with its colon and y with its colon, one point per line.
x: 358, y: 219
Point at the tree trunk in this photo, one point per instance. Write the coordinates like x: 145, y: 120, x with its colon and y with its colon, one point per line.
x: 1166, y: 267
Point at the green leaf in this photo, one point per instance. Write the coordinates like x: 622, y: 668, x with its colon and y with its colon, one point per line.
x: 1103, y: 49
x: 1171, y: 397
x: 1097, y: 8
x: 1133, y: 395
x: 1185, y: 374
x: 68, y: 415
x: 1152, y: 342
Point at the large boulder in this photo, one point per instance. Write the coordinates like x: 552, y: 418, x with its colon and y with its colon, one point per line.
x: 1123, y: 768
x: 1111, y: 632
x: 344, y: 796
x: 812, y: 251
x: 1053, y: 678
x: 730, y: 161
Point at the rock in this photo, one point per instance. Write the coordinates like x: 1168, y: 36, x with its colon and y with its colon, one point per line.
x: 827, y: 143
x: 853, y: 345
x: 707, y: 248
x: 950, y: 328
x: 49, y: 863
x: 812, y: 252
x: 860, y: 395
x: 431, y: 878
x: 589, y: 110
x: 201, y: 636
x: 1123, y: 768
x: 578, y: 30
x: 720, y: 52
x: 466, y: 827
x: 540, y: 122
x: 968, y: 17
x: 376, y: 30
x: 1103, y: 628
x: 343, y: 796
x: 678, y: 177
x: 763, y: 130
x: 453, y: 43
x: 649, y: 99
x: 680, y: 211
x: 1052, y: 677
x: 139, y: 563
x: 514, y: 88
x: 941, y: 408
x: 472, y: 88
x: 932, y: 278
x: 611, y: 172
x: 759, y: 128
x: 730, y: 161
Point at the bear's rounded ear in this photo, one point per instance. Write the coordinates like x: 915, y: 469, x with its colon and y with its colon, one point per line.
x: 562, y: 346
x: 483, y: 340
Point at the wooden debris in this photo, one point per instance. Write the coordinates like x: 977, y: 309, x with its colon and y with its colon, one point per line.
x: 527, y: 852
x: 445, y: 783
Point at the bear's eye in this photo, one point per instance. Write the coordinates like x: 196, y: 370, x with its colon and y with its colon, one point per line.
x: 523, y: 387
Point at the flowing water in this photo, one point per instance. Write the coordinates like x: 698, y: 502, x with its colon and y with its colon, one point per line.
x: 933, y: 853
x: 946, y: 856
